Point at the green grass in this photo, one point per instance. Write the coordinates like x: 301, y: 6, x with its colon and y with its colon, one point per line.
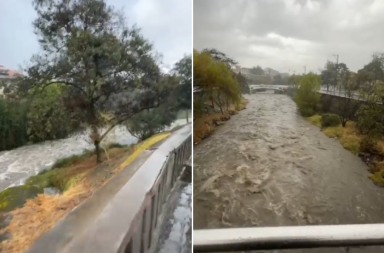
x: 315, y: 120
x: 64, y: 162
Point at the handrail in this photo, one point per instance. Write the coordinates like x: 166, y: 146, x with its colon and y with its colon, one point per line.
x: 289, y: 237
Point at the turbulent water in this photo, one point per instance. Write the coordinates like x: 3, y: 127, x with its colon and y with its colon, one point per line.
x: 267, y: 166
x: 16, y: 165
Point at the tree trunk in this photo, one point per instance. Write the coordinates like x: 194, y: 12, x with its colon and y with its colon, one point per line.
x: 97, y: 150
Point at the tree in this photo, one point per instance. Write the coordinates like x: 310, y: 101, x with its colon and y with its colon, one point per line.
x: 183, y: 69
x: 328, y: 75
x: 244, y: 87
x: 47, y: 118
x: 347, y: 105
x: 257, y: 71
x: 147, y: 123
x: 371, y: 83
x: 307, y: 95
x: 109, y: 70
x: 294, y: 80
x: 215, y: 81
x: 220, y: 57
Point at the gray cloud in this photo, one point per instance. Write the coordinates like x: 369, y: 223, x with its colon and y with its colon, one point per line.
x: 288, y: 34
x: 167, y: 24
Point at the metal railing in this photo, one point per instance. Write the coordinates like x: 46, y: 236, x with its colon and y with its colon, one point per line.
x: 290, y: 237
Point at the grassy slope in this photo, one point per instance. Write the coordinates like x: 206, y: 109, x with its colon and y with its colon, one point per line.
x: 351, y: 139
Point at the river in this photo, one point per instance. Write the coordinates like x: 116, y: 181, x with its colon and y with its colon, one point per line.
x: 267, y: 166
x: 18, y: 164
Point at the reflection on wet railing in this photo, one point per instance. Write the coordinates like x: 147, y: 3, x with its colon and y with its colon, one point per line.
x: 289, y: 237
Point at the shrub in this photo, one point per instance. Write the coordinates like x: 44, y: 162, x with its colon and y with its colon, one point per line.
x: 306, y: 111
x: 369, y: 120
x: 330, y: 120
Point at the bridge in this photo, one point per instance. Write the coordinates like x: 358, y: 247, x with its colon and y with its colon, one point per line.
x: 264, y: 87
x: 322, y: 90
x: 150, y: 212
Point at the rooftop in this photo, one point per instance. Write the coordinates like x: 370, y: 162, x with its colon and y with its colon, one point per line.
x: 8, y: 73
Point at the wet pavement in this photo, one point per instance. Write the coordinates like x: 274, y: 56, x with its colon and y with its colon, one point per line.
x: 267, y: 166
x: 18, y: 164
x: 176, y: 232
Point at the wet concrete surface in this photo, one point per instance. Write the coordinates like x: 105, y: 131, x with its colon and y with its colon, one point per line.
x: 267, y: 166
x: 176, y: 236
x: 18, y: 164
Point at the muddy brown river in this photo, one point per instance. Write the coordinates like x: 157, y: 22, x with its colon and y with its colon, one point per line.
x: 267, y: 166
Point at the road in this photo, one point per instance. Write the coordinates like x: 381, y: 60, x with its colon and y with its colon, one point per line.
x: 267, y: 166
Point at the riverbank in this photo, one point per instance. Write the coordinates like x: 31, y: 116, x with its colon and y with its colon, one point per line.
x: 51, y: 195
x: 205, y: 126
x: 351, y: 139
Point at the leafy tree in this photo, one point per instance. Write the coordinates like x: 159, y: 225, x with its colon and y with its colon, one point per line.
x: 294, y: 80
x: 183, y: 69
x: 47, y: 117
x: 13, y: 132
x: 147, y: 123
x: 347, y: 105
x: 107, y: 67
x: 244, y: 87
x: 371, y: 114
x: 215, y: 81
x: 220, y: 57
x: 328, y: 75
x: 307, y: 95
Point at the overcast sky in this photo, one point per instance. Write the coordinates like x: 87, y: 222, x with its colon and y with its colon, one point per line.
x: 289, y: 34
x: 166, y: 23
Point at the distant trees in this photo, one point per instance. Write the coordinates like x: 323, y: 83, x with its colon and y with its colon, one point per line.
x: 278, y: 80
x: 257, y: 70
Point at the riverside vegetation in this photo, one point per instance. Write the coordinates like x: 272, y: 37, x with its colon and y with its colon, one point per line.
x: 357, y: 125
x: 217, y: 92
x: 93, y: 74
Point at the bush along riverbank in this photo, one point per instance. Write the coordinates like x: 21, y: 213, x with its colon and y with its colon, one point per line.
x: 205, y: 125
x: 28, y: 211
x: 370, y: 150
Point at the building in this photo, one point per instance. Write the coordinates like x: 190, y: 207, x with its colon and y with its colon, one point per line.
x: 6, y: 77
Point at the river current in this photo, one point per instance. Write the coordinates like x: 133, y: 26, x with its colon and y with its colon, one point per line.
x: 267, y: 166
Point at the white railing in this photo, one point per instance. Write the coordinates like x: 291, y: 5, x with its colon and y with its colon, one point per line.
x: 292, y: 237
